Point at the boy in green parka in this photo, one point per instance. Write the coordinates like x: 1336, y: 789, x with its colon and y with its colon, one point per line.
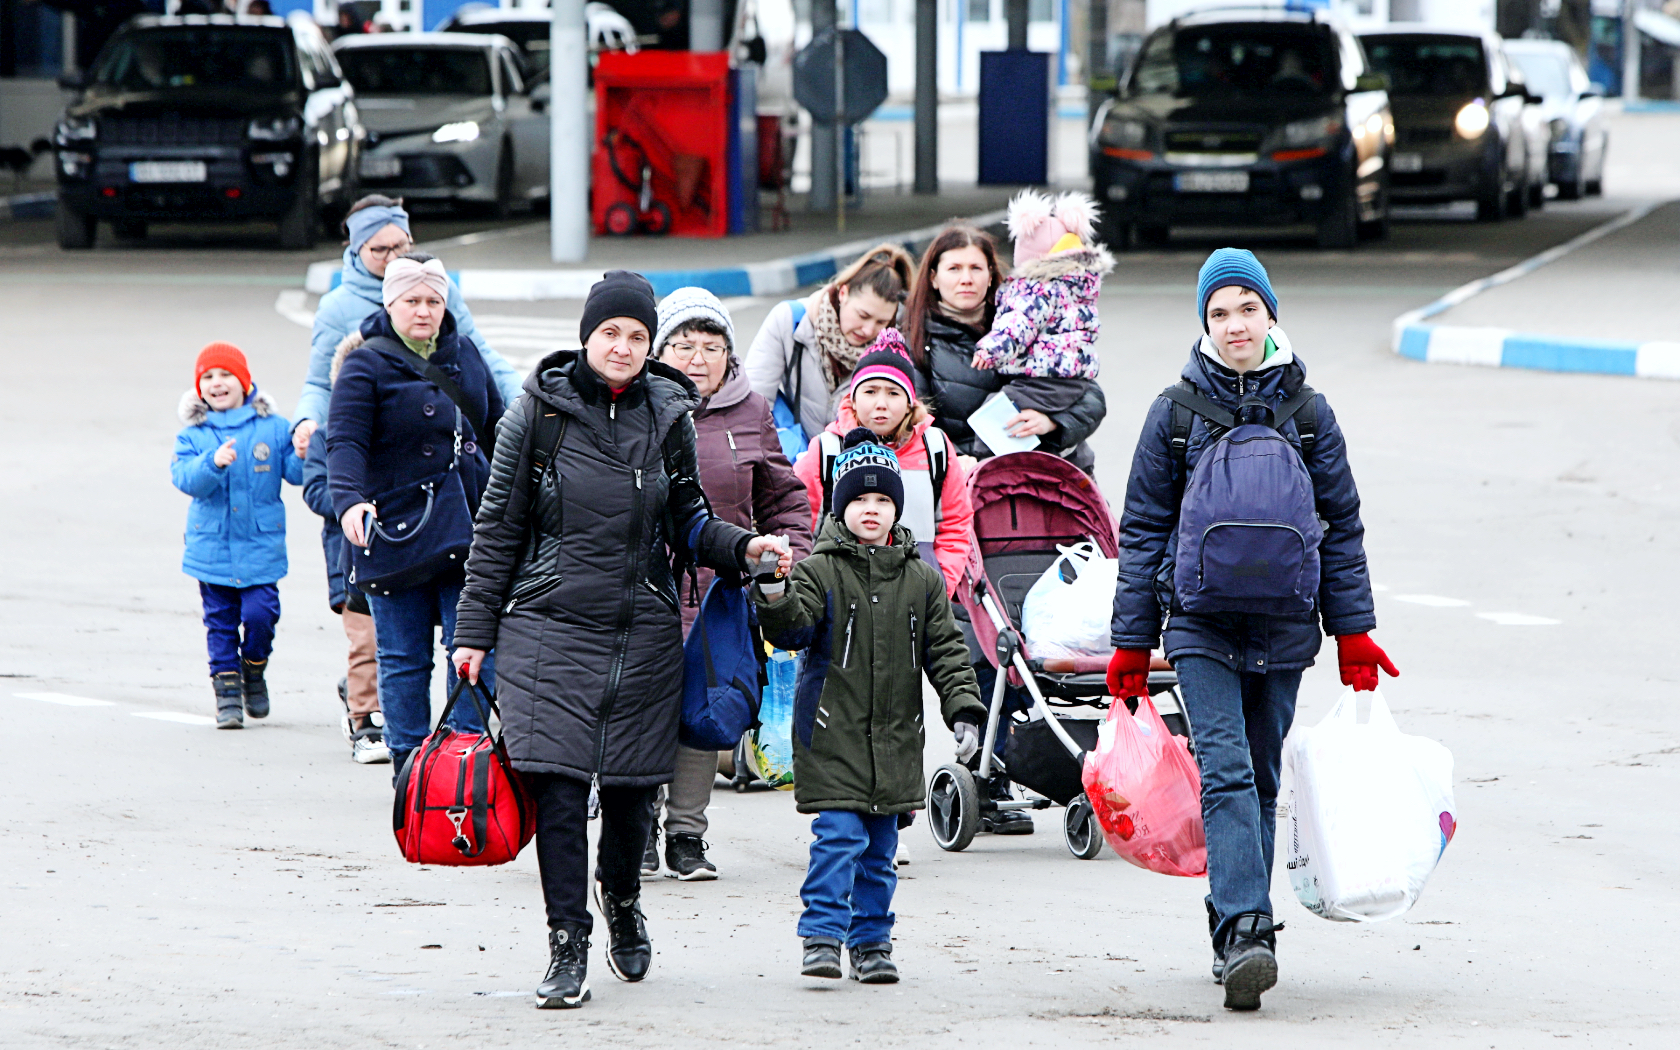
x: 872, y: 616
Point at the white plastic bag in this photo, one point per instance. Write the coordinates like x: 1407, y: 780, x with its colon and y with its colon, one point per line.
x: 1370, y: 813
x: 1064, y: 618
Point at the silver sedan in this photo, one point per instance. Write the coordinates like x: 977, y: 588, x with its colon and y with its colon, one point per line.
x: 449, y: 118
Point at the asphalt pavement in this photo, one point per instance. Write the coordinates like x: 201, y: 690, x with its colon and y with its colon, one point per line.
x: 167, y: 885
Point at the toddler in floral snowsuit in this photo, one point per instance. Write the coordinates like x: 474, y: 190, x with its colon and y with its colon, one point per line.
x: 1046, y: 323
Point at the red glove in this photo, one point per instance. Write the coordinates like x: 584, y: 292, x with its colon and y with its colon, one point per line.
x: 1360, y: 657
x: 1128, y: 673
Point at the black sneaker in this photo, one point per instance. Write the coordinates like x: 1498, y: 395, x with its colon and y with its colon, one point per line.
x: 629, y: 951
x: 822, y: 958
x: 230, y: 699
x: 872, y: 963
x: 1250, y: 961
x: 566, y: 985
x: 1007, y: 822
x: 650, y: 855
x: 256, y: 690
x: 685, y: 855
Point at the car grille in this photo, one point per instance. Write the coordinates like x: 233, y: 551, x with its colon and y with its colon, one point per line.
x: 1426, y: 136
x: 172, y: 130
x: 1213, y: 141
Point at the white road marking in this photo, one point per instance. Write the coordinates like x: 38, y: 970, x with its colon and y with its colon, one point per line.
x: 1512, y: 619
x: 66, y: 699
x: 289, y: 304
x: 1434, y: 601
x: 176, y: 716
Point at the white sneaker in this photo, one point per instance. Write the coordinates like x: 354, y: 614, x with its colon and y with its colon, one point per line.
x: 367, y: 745
x: 902, y: 857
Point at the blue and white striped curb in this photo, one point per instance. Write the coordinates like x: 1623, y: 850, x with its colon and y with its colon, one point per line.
x: 28, y: 206
x: 775, y: 277
x: 1504, y: 348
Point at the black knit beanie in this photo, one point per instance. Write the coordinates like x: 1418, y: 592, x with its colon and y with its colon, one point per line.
x: 619, y: 293
x: 866, y: 465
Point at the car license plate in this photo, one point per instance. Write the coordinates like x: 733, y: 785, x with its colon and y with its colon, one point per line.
x: 1406, y: 162
x: 168, y: 171
x: 1211, y: 182
x: 381, y: 167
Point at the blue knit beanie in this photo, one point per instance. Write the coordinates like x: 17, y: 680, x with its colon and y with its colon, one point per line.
x: 1233, y: 266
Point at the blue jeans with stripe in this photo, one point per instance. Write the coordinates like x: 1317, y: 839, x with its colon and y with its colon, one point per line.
x: 849, y: 886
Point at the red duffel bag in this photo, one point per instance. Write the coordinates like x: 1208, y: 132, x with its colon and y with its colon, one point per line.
x: 460, y: 801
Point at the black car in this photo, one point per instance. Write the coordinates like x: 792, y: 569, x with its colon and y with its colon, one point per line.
x: 1245, y: 117
x: 207, y: 117
x: 1466, y: 128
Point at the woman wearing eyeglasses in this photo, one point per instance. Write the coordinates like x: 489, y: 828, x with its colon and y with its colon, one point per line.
x: 749, y: 483
x: 376, y: 232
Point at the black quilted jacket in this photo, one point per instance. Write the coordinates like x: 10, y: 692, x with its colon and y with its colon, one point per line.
x: 570, y: 579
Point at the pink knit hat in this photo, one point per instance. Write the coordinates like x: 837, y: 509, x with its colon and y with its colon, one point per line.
x: 886, y: 358
x: 1037, y: 222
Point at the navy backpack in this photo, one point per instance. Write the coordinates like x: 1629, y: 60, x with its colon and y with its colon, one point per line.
x: 1248, y: 525
x: 722, y: 679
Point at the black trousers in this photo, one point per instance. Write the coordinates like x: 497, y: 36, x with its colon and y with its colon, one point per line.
x: 563, y: 843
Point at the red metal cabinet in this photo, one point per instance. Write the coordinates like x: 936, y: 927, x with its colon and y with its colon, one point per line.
x: 660, y: 156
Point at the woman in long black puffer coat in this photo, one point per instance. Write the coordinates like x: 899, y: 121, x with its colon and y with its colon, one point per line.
x: 570, y: 580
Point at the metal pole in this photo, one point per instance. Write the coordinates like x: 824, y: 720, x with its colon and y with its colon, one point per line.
x: 1630, y: 52
x: 825, y: 140
x: 927, y: 96
x: 705, y: 25
x: 1015, y: 11
x: 570, y: 133
x: 840, y: 127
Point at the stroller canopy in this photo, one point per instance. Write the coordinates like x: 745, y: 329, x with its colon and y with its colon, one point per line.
x: 1033, y: 500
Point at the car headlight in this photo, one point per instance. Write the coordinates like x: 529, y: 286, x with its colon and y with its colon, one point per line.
x: 1311, y: 132
x: 460, y: 131
x: 1472, y: 120
x: 1126, y: 134
x: 273, y: 129
x: 77, y: 129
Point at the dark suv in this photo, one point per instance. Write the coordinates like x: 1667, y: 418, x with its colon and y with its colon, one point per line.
x: 207, y: 117
x: 1245, y: 117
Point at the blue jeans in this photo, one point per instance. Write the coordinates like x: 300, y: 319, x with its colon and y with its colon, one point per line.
x: 402, y: 626
x: 1238, y: 722
x: 849, y: 886
x: 226, y: 609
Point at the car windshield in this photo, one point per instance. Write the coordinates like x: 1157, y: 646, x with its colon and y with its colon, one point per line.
x: 1546, y: 75
x: 251, y: 59
x: 532, y: 38
x: 416, y: 70
x: 1450, y: 66
x: 1236, y: 60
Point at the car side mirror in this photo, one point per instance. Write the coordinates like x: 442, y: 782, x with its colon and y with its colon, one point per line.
x: 73, y: 81
x: 1370, y: 82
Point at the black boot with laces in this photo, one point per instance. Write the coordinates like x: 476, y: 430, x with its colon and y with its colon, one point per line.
x: 566, y: 984
x: 1218, y: 951
x: 629, y: 950
x: 1250, y: 960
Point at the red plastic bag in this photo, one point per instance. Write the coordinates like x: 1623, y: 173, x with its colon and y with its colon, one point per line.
x: 1143, y: 785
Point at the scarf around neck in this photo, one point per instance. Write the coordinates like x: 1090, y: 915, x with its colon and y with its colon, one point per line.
x: 839, y: 357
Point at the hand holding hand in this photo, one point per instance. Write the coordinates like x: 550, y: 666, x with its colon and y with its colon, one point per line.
x: 1029, y: 422
x: 1359, y: 658
x: 300, y: 437
x: 352, y: 523
x: 226, y: 454
x: 968, y: 740
x: 759, y: 544
x: 1128, y: 673
x: 468, y: 662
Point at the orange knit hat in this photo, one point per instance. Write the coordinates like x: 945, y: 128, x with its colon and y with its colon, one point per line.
x: 223, y: 355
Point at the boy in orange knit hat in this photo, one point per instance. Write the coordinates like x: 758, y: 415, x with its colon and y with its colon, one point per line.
x: 230, y: 458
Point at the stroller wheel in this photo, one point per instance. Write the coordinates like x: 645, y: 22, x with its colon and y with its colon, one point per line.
x: 953, y: 807
x: 1080, y: 830
x: 620, y: 219
x: 656, y: 221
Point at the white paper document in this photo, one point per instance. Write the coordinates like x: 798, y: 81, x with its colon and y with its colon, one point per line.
x: 988, y: 423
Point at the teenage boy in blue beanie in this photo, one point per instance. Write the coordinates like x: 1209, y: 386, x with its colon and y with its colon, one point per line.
x: 1242, y: 614
x: 872, y: 617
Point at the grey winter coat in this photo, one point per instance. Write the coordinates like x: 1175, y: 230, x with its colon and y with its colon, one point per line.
x: 784, y: 358
x: 569, y: 579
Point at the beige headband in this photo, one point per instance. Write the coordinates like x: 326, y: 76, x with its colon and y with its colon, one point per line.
x: 404, y: 274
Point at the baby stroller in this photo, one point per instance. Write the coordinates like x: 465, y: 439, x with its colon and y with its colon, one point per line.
x: 1025, y: 505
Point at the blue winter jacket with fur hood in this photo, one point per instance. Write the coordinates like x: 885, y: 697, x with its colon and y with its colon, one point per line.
x: 236, y: 526
x: 1149, y: 524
